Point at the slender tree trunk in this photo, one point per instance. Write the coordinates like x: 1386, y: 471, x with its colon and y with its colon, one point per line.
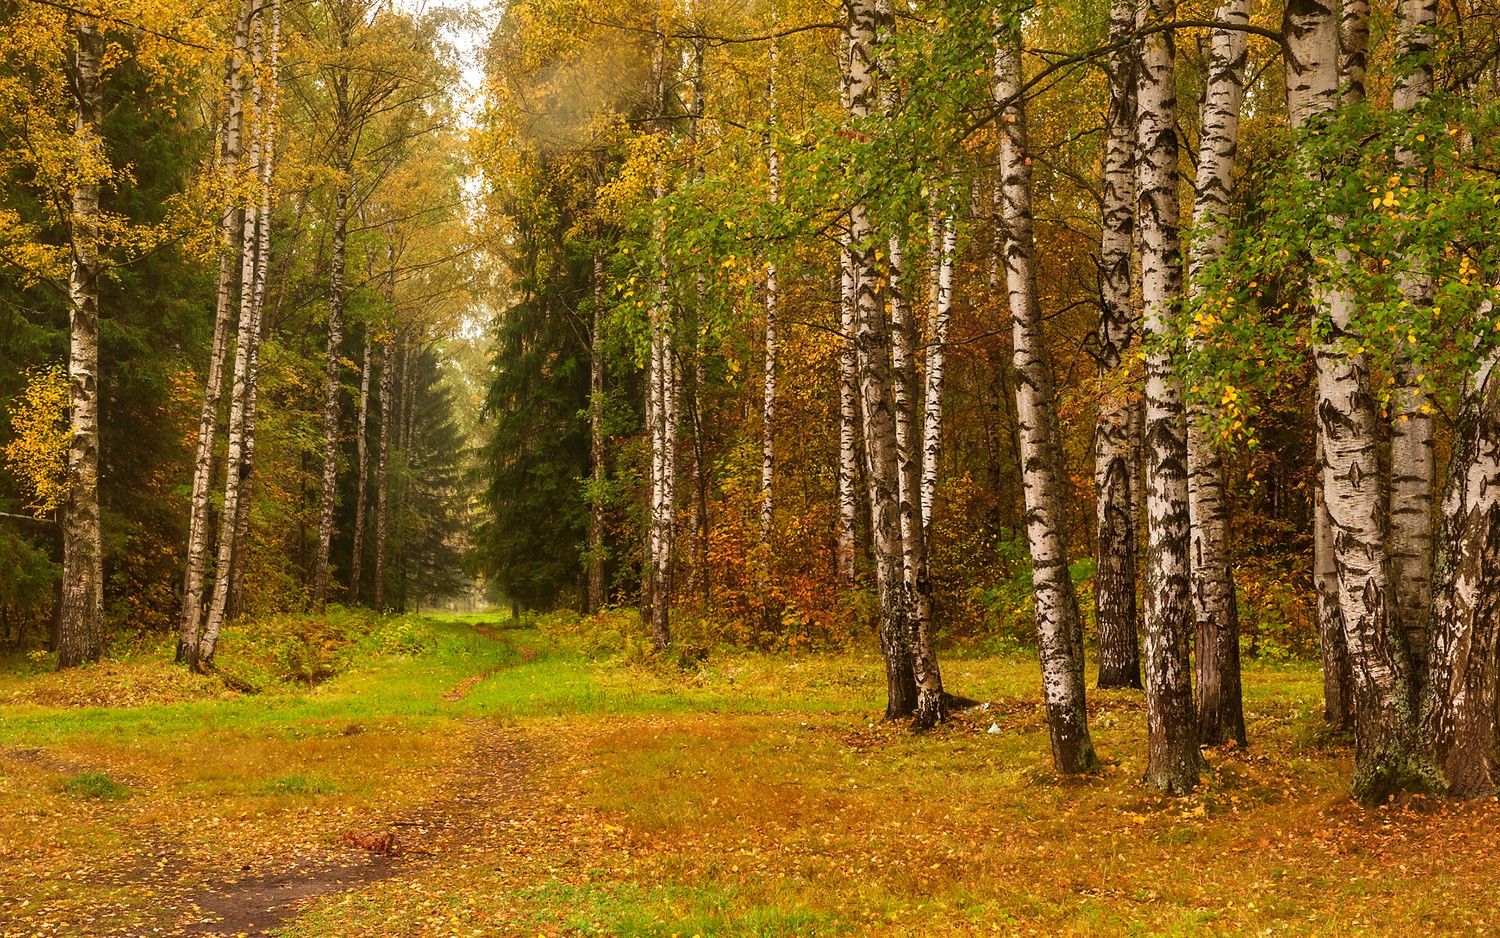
x: 1114, y: 480
x: 1413, y: 469
x: 1459, y: 714
x: 213, y: 390
x: 1058, y: 623
x: 1338, y: 692
x: 331, y: 386
x: 1221, y: 711
x: 382, y: 462
x: 848, y: 420
x: 596, y: 443
x: 872, y: 345
x: 362, y: 448
x: 945, y: 238
x: 1172, y: 758
x: 81, y: 625
x: 1387, y: 754
x: 768, y: 410
x: 245, y: 355
x: 664, y: 447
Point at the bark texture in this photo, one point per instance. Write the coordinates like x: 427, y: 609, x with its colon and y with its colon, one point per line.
x: 848, y: 480
x: 945, y: 245
x: 872, y: 347
x: 1338, y: 689
x: 596, y: 442
x: 1387, y: 755
x: 1221, y: 710
x: 81, y: 605
x: 1459, y: 716
x: 1172, y: 759
x: 383, y: 456
x: 1114, y: 478
x: 199, y: 512
x: 1413, y: 467
x: 1058, y: 623
x: 361, y: 472
x: 332, y: 368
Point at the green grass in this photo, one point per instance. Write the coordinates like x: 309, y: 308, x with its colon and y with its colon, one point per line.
x: 751, y: 795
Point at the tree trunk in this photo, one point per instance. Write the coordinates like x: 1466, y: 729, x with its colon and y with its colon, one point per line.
x: 245, y: 356
x: 848, y: 480
x: 362, y: 448
x: 1114, y: 479
x: 1413, y: 469
x: 768, y: 410
x: 945, y: 245
x: 331, y: 386
x: 382, y: 459
x: 1221, y: 710
x: 1058, y: 623
x: 1172, y: 758
x: 1387, y: 754
x: 1459, y: 716
x: 663, y: 432
x: 81, y: 624
x: 596, y: 443
x: 213, y: 389
x: 1338, y: 692
x: 872, y: 347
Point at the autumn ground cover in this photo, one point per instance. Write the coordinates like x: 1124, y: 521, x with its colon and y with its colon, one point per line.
x: 475, y: 777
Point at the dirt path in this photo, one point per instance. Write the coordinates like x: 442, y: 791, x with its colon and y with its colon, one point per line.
x: 484, y: 786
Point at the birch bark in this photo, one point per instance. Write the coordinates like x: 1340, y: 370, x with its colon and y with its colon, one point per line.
x: 872, y: 347
x: 1459, y: 718
x: 382, y: 459
x: 81, y: 606
x: 1058, y: 623
x: 213, y: 390
x: 1413, y: 468
x: 768, y: 409
x: 1221, y: 711
x: 1114, y: 478
x: 1387, y: 756
x: 848, y: 419
x: 246, y: 342
x: 945, y: 238
x: 1172, y: 759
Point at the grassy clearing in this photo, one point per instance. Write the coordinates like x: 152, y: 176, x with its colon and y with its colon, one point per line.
x: 749, y: 795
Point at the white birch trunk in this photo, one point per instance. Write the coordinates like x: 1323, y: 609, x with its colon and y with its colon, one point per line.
x: 664, y: 428
x: 1221, y: 712
x: 1386, y: 751
x: 1058, y: 623
x: 245, y: 351
x: 81, y: 605
x: 1115, y: 475
x: 382, y: 459
x: 1413, y: 469
x: 1172, y: 757
x: 1459, y: 717
x: 872, y: 345
x: 768, y: 409
x: 191, y: 620
x: 946, y: 245
x: 848, y: 420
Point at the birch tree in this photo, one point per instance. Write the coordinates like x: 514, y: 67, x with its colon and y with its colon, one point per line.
x: 1172, y: 757
x: 1412, y: 464
x: 1387, y: 755
x: 1114, y: 482
x: 1058, y: 623
x: 1221, y: 712
x: 81, y: 603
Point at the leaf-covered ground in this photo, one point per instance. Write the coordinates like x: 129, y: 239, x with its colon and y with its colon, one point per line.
x: 498, y: 782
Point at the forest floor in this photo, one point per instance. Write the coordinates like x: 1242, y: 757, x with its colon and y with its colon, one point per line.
x: 503, y: 783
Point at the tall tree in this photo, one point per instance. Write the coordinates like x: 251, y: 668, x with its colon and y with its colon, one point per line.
x: 1114, y: 483
x: 1221, y: 711
x: 1058, y: 622
x: 1172, y: 757
x: 81, y: 616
